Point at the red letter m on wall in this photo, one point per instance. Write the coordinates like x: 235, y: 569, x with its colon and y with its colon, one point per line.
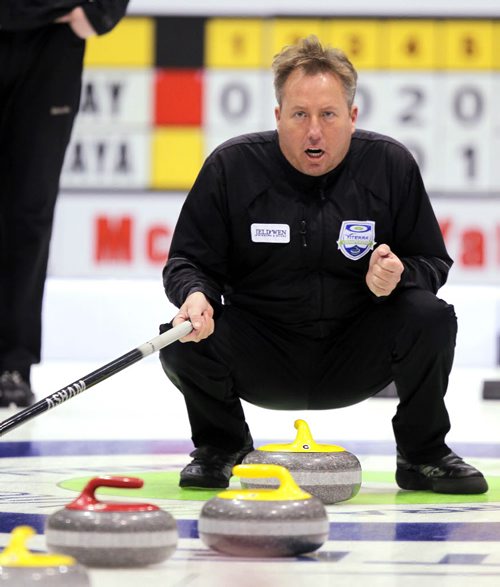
x: 113, y: 240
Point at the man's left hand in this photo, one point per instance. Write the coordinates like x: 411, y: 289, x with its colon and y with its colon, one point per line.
x: 384, y: 272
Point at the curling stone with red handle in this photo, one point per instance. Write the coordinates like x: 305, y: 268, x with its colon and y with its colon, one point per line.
x: 21, y: 568
x: 103, y: 534
x: 326, y: 471
x: 285, y: 521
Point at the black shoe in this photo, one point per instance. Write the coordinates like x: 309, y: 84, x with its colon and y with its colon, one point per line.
x: 211, y: 468
x: 449, y: 474
x: 15, y: 390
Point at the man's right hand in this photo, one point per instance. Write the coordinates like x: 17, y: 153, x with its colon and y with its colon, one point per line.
x: 198, y: 310
x: 78, y: 21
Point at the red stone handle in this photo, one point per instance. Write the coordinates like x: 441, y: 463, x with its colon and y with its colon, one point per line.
x: 87, y: 500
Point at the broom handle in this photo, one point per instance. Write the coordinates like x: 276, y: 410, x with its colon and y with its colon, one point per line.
x: 58, y: 397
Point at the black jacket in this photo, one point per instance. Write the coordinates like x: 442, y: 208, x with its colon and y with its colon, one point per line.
x: 231, y: 235
x: 30, y: 14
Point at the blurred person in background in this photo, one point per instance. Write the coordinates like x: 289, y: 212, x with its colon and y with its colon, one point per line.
x: 42, y: 46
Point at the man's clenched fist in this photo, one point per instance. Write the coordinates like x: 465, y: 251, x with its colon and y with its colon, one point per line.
x: 384, y: 271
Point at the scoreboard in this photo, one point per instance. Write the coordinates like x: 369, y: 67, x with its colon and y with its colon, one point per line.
x: 161, y: 92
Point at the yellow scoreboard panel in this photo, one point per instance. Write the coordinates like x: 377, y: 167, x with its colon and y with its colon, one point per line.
x: 160, y: 93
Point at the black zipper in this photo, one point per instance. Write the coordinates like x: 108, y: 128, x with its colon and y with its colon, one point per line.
x: 303, y: 232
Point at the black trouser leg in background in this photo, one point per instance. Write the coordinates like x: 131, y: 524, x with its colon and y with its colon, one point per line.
x: 40, y: 83
x: 409, y: 338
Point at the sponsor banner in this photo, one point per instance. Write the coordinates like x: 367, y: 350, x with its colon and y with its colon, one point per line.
x: 124, y: 234
x: 471, y: 230
x: 115, y: 235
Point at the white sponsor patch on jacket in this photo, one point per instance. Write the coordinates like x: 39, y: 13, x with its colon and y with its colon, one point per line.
x: 356, y: 238
x: 270, y: 233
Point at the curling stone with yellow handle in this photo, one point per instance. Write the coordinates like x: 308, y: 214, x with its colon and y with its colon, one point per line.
x: 326, y: 471
x: 21, y: 568
x: 285, y: 521
x: 103, y: 534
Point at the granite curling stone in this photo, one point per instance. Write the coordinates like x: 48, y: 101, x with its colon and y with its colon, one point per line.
x: 21, y: 568
x: 280, y: 522
x: 103, y: 534
x: 328, y: 472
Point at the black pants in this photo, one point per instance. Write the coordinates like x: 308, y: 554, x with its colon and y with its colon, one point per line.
x: 408, y: 339
x: 40, y: 84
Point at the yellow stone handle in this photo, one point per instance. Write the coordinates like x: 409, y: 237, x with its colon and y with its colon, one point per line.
x: 287, y: 490
x: 303, y: 442
x: 16, y: 553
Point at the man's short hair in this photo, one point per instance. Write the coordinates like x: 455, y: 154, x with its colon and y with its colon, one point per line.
x: 310, y: 56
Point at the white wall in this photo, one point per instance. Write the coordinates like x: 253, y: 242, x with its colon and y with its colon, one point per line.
x: 100, y: 319
x: 297, y: 7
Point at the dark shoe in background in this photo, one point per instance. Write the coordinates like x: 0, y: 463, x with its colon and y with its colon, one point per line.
x: 449, y: 474
x: 211, y: 468
x: 15, y: 390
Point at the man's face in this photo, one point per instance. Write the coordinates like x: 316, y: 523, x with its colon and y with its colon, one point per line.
x: 314, y: 122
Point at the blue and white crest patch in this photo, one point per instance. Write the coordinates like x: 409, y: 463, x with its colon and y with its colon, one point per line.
x: 356, y: 238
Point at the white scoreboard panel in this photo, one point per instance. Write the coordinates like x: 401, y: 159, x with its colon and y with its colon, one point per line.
x: 450, y: 121
x: 111, y: 144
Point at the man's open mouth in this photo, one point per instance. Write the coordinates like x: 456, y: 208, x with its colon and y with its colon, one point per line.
x: 314, y: 153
